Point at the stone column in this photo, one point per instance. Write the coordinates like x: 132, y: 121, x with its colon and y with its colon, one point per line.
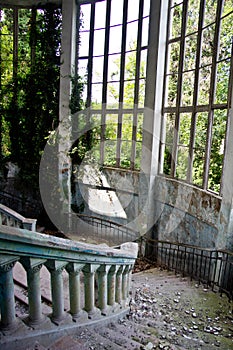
x: 74, y: 270
x: 55, y: 268
x: 32, y: 267
x: 7, y: 298
x: 89, y: 286
x: 103, y: 288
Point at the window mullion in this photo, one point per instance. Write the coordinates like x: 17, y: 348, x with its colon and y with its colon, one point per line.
x: 105, y: 80
x: 212, y: 94
x: 164, y: 96
x: 137, y: 84
x: 229, y: 101
x: 179, y: 89
x: 195, y: 94
x: 90, y: 56
x: 122, y: 78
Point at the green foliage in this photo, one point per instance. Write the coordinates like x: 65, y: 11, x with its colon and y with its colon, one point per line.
x: 111, y: 128
x: 30, y: 91
x: 202, y: 119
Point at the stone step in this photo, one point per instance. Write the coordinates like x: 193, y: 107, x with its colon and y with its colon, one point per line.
x: 167, y: 312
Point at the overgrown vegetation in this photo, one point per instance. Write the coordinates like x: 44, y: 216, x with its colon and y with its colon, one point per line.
x: 212, y: 117
x: 30, y: 87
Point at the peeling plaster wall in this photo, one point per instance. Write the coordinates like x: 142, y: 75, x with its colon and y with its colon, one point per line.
x: 185, y: 214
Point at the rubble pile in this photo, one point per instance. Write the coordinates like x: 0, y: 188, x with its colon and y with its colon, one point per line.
x: 180, y: 313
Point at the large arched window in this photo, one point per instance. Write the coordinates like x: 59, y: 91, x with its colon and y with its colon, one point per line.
x: 198, y: 77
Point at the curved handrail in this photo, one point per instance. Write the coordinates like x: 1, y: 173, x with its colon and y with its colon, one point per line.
x: 105, y: 275
x: 104, y: 229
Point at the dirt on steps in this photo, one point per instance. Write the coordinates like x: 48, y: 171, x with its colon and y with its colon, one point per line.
x: 167, y: 312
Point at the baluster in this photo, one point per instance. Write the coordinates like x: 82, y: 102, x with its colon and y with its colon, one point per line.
x: 32, y: 267
x: 119, y: 284
x: 125, y: 284
x: 74, y: 270
x: 89, y: 281
x: 103, y: 288
x: 7, y: 299
x: 55, y: 268
x: 112, y: 285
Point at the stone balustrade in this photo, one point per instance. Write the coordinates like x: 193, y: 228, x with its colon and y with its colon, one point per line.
x: 10, y: 217
x: 98, y: 274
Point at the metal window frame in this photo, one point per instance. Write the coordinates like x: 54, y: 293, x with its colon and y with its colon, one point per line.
x: 122, y: 109
x: 194, y: 108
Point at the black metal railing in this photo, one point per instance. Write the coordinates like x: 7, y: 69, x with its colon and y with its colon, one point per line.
x: 212, y: 267
x: 105, y: 230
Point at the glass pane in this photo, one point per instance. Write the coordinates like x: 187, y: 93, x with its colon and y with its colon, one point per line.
x: 129, y: 94
x: 146, y: 10
x: 139, y: 127
x: 210, y: 11
x: 85, y: 17
x: 113, y: 95
x: 96, y: 124
x: 111, y: 126
x: 227, y: 7
x: 125, y: 154
x: 170, y: 129
x: 133, y: 7
x: 131, y: 35
x: 145, y: 29
x: 176, y: 19
x: 167, y: 160
x: 207, y: 45
x: 222, y: 80
x: 187, y: 88
x: 99, y: 39
x: 193, y: 16
x: 97, y: 71
x: 100, y: 14
x: 217, y: 149
x: 82, y: 67
x: 199, y: 149
x: 190, y: 52
x: 114, y: 63
x: 171, y: 85
x: 84, y: 44
x: 110, y: 152
x: 96, y: 100
x: 182, y: 162
x: 130, y: 65
x: 138, y: 155
x: 116, y: 12
x: 174, y: 56
x: 198, y: 166
x: 143, y: 64
x: 204, y: 85
x: 141, y: 93
x: 127, y: 127
x: 184, y: 129
x: 115, y: 39
x: 225, y: 37
x: 170, y: 126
